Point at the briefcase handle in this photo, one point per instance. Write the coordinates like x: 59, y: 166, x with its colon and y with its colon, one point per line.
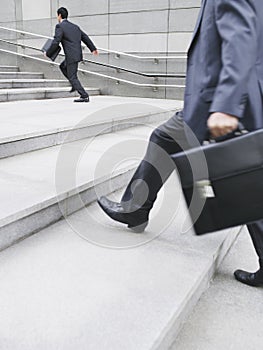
x: 239, y: 131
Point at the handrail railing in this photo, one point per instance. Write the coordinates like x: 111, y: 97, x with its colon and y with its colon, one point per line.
x: 179, y: 54
x: 117, y: 53
x: 147, y: 75
x: 154, y: 86
x: 26, y: 33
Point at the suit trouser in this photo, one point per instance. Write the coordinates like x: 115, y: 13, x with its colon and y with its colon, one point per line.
x: 70, y: 71
x: 157, y: 166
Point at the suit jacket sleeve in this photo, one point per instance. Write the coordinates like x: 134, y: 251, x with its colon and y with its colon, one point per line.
x: 56, y: 41
x: 236, y: 24
x: 87, y: 41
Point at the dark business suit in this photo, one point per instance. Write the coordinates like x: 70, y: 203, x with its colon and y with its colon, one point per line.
x: 224, y: 74
x: 70, y: 35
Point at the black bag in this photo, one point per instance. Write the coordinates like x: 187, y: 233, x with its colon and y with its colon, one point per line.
x: 47, y: 46
x: 230, y: 193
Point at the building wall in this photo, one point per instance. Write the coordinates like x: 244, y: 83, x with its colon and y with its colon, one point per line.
x: 156, y: 26
x: 144, y: 27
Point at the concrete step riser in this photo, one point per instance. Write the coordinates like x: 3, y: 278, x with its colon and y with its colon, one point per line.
x: 21, y: 146
x: 24, y: 95
x: 16, y: 75
x: 40, y: 84
x: 176, y: 323
x: 9, y: 69
x: 24, y: 224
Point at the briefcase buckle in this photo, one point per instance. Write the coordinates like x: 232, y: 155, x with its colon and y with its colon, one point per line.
x: 205, y: 189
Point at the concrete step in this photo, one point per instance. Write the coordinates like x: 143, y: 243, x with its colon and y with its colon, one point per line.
x: 9, y: 68
x: 31, y: 83
x: 87, y: 276
x: 138, y: 292
x: 213, y: 322
x: 32, y: 125
x: 7, y: 95
x: 21, y: 75
x: 35, y: 172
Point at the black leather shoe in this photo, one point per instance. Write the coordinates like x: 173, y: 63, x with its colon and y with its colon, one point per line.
x: 136, y: 221
x: 81, y: 99
x: 252, y: 279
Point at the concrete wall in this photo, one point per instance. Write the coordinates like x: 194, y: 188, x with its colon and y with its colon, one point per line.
x: 144, y: 27
x: 159, y: 26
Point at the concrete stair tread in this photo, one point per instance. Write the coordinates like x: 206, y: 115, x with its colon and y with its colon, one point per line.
x: 7, y: 66
x: 31, y: 83
x: 30, y: 80
x: 35, y: 172
x: 40, y: 93
x: 113, y: 299
x: 4, y: 68
x: 19, y: 73
x: 40, y: 89
x: 50, y: 117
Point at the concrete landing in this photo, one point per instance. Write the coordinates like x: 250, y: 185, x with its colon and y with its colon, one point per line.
x: 39, y: 93
x: 31, y: 125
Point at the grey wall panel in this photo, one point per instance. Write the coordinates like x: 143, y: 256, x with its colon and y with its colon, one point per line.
x: 184, y: 3
x: 85, y: 7
x: 117, y: 6
x: 183, y: 20
x: 36, y: 9
x: 179, y: 42
x: 139, y: 42
x: 146, y: 66
x: 40, y: 26
x: 7, y: 59
x: 176, y: 66
x: 139, y: 22
x: 34, y: 42
x: 7, y: 11
x: 4, y: 34
x: 93, y: 25
x: 54, y: 5
x: 99, y: 41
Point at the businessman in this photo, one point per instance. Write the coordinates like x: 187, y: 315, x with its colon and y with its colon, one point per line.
x: 70, y: 35
x: 224, y: 84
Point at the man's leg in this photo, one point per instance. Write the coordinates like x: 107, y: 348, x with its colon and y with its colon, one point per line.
x: 156, y: 166
x: 254, y: 279
x: 63, y: 68
x: 256, y: 233
x: 151, y: 174
x: 72, y: 70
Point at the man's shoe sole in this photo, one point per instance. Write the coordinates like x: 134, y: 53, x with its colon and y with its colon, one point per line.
x: 84, y: 101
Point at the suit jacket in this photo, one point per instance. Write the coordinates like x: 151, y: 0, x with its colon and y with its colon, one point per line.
x: 225, y: 64
x: 70, y: 35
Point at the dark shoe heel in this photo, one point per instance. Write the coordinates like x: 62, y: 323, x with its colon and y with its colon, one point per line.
x: 139, y: 228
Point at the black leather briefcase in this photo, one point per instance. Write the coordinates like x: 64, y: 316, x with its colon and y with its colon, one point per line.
x: 46, y: 47
x: 223, y: 182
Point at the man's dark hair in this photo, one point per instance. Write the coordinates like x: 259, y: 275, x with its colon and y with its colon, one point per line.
x: 63, y: 12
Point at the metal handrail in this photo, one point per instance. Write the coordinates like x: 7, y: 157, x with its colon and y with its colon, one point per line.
x: 179, y: 54
x: 117, y: 53
x: 147, y: 75
x: 154, y: 86
x: 25, y: 33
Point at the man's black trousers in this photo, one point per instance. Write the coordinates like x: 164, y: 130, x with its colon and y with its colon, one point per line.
x: 70, y: 71
x: 157, y: 166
